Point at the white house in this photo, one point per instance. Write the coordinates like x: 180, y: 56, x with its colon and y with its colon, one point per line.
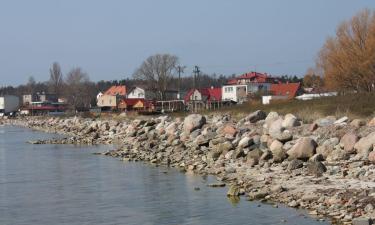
x: 136, y: 92
x: 235, y: 93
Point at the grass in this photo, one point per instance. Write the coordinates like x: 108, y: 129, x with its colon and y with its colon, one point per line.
x: 351, y: 105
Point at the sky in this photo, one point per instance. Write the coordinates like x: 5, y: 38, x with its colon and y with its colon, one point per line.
x: 109, y: 39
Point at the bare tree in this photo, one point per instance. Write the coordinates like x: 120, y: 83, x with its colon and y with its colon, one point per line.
x: 56, y: 79
x: 76, y: 90
x: 348, y: 59
x: 158, y: 71
x: 30, y: 86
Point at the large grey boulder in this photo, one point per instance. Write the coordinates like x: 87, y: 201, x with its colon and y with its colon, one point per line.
x: 365, y: 144
x: 278, y: 153
x: 290, y: 121
x: 256, y: 116
x: 303, y: 149
x: 193, y: 122
x: 276, y: 128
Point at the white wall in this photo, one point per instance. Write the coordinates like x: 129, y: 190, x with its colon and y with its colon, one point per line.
x: 229, y: 92
x: 137, y: 93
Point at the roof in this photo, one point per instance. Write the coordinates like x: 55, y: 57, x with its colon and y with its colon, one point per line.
x: 253, y: 77
x: 286, y: 89
x: 116, y: 90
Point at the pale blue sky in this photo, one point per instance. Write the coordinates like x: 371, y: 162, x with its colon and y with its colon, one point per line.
x: 110, y: 38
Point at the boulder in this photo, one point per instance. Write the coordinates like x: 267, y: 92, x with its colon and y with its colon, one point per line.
x: 371, y: 123
x: 295, y: 164
x: 303, y: 149
x: 193, y: 122
x: 348, y: 141
x: 341, y: 120
x: 256, y: 116
x: 365, y: 144
x: 245, y: 142
x: 358, y: 123
x: 276, y: 128
x: 327, y: 121
x: 278, y: 153
x: 234, y: 190
x: 254, y: 156
x: 171, y: 128
x: 229, y: 129
x: 316, y: 168
x: 337, y: 155
x: 285, y: 136
x: 371, y: 157
x: 290, y: 121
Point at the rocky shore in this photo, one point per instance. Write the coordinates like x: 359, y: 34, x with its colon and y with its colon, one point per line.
x: 327, y: 167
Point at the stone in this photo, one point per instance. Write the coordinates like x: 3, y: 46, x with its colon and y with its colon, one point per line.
x: 278, y: 152
x: 229, y: 129
x: 295, y: 164
x: 369, y: 208
x: 256, y: 116
x: 290, y: 121
x: 358, y: 123
x: 371, y: 157
x: 362, y: 221
x: 171, y: 128
x: 193, y: 122
x: 341, y: 120
x: 234, y: 190
x: 313, y: 127
x: 216, y: 185
x: 245, y: 142
x: 327, y: 121
x: 285, y: 136
x: 317, y: 158
x: 254, y: 155
x: 337, y: 155
x: 371, y: 123
x: 316, y: 168
x: 303, y: 149
x: 272, y: 116
x: 365, y: 144
x: 348, y: 141
x: 276, y: 128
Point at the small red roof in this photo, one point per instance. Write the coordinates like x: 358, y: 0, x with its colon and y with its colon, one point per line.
x: 287, y: 89
x: 116, y: 90
x: 254, y: 77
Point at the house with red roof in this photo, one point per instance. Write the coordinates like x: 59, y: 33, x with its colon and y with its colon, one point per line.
x: 134, y: 104
x: 116, y: 90
x: 255, y: 81
x: 203, y: 94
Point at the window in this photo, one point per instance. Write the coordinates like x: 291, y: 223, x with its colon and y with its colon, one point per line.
x: 228, y: 89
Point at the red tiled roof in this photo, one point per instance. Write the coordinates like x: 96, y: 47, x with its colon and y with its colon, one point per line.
x: 130, y: 102
x: 287, y: 89
x: 253, y: 77
x: 116, y: 90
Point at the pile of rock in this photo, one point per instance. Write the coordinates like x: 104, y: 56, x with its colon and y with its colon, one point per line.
x: 325, y: 167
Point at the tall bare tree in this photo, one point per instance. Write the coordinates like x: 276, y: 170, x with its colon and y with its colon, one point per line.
x: 158, y: 71
x: 55, y: 82
x: 348, y: 59
x: 77, y: 88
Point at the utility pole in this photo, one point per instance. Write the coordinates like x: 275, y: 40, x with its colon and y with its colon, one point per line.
x: 196, y: 75
x: 180, y: 69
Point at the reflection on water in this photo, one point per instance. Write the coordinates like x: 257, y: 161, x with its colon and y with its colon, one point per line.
x: 60, y: 184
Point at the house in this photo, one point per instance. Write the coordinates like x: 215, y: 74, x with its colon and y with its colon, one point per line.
x: 203, y: 94
x: 235, y: 93
x: 256, y: 82
x: 38, y: 97
x: 136, y: 93
x: 282, y: 91
x: 111, y: 97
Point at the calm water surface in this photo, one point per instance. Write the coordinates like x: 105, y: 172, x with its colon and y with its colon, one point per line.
x: 64, y: 184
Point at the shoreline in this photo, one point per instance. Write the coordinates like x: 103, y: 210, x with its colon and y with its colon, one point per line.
x: 265, y: 157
